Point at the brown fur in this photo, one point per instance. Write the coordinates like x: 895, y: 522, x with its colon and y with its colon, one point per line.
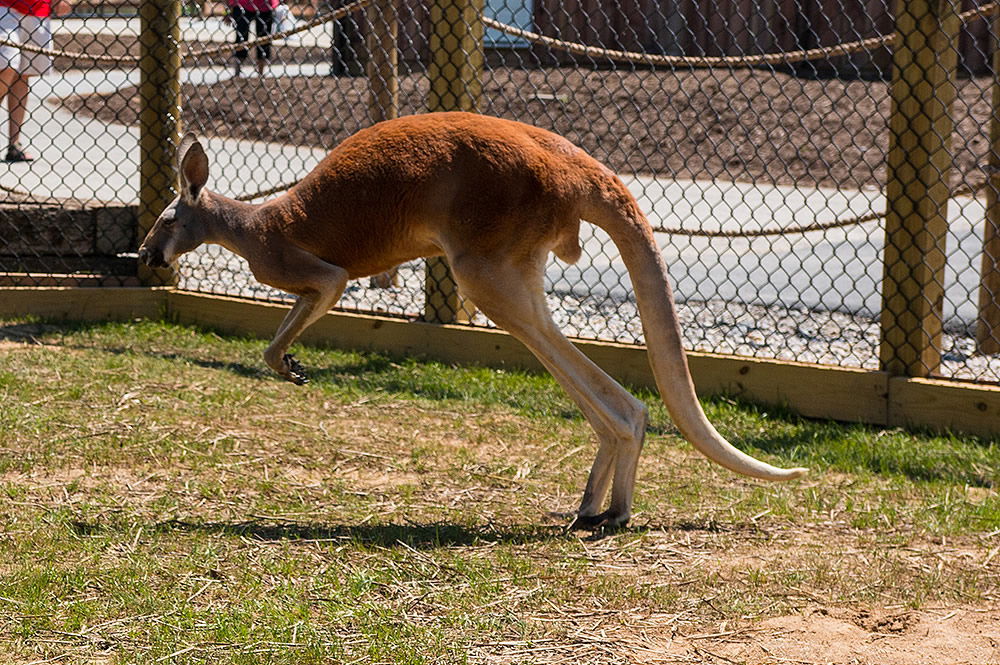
x: 494, y: 197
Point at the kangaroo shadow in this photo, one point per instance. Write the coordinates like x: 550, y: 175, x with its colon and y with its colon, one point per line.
x: 419, y: 536
x: 29, y: 333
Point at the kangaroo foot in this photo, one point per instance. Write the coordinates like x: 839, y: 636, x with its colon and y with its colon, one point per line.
x: 602, y: 521
x: 293, y: 370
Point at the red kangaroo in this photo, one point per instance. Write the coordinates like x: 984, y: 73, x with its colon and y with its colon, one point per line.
x: 494, y: 197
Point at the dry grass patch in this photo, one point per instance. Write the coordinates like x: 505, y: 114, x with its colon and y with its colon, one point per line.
x: 165, y: 500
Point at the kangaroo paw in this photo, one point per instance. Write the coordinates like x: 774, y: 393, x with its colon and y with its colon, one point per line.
x: 602, y: 521
x: 294, y: 371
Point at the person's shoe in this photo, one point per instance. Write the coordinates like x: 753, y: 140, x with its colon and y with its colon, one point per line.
x: 16, y: 154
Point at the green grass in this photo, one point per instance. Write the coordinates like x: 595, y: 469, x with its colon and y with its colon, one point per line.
x: 164, y: 498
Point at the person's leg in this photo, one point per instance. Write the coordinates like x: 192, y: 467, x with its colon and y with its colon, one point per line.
x: 36, y: 31
x: 10, y: 56
x: 262, y: 26
x: 7, y: 77
x: 17, y: 109
x: 242, y: 25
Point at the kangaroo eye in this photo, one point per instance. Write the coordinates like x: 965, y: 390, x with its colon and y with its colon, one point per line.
x: 169, y: 221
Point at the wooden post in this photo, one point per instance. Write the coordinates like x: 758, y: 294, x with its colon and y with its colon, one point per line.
x: 456, y: 65
x: 455, y: 73
x: 159, y: 118
x: 383, y: 60
x: 988, y: 326
x: 919, y: 165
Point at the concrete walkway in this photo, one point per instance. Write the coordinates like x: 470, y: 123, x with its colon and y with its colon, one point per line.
x: 208, y: 29
x: 84, y: 158
x: 837, y: 270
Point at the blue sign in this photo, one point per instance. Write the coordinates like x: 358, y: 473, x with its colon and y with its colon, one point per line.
x: 518, y: 13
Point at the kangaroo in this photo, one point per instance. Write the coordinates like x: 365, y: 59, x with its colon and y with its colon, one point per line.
x: 493, y: 197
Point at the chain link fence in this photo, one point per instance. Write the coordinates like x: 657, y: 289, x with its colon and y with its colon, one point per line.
x: 822, y: 175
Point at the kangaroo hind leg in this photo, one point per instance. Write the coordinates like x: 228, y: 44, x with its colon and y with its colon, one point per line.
x: 511, y: 293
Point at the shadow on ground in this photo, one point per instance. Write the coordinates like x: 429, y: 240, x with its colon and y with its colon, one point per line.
x: 410, y: 535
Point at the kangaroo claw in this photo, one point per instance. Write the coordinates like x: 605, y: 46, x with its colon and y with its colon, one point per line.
x: 294, y: 370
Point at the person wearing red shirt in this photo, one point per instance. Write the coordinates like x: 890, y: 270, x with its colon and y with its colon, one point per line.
x: 24, y: 22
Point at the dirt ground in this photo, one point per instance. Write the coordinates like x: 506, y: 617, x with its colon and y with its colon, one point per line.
x: 824, y: 635
x: 745, y: 125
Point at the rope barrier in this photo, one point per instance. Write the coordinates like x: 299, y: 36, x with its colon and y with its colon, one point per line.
x: 576, y: 48
x: 761, y: 233
x: 788, y: 57
x: 18, y: 192
x: 268, y: 192
x: 198, y: 53
x: 691, y: 61
x: 964, y: 190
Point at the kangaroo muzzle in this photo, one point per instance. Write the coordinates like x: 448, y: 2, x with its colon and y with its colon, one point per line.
x: 152, y: 258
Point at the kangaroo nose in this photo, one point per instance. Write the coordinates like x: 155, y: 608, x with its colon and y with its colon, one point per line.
x: 152, y: 259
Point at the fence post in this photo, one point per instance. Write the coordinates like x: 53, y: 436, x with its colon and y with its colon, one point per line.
x: 455, y: 72
x: 988, y: 326
x: 159, y: 118
x: 383, y: 60
x: 919, y: 163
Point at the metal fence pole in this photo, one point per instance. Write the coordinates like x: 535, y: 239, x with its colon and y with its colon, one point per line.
x: 455, y: 72
x: 919, y: 163
x: 988, y: 326
x: 159, y: 118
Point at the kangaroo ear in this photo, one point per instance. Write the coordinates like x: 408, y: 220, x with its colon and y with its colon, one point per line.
x: 192, y: 163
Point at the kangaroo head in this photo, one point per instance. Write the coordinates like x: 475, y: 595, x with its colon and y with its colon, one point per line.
x: 182, y: 226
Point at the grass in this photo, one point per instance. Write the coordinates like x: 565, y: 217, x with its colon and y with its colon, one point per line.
x: 163, y: 498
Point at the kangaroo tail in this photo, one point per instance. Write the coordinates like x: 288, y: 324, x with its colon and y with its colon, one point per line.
x: 615, y: 210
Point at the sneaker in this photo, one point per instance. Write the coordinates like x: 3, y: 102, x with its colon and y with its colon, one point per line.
x: 16, y: 154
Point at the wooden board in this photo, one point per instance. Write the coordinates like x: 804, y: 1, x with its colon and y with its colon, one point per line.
x: 85, y: 280
x: 945, y: 406
x: 815, y: 391
x: 81, y: 304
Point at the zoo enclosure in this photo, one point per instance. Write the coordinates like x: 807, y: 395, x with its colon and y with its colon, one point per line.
x: 860, y: 249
